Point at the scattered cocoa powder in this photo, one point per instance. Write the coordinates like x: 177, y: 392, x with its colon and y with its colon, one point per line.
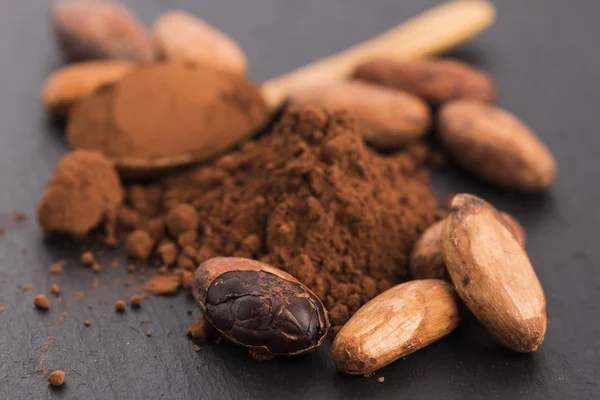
x: 136, y: 300
x: 41, y: 302
x: 27, y: 287
x: 119, y: 306
x: 87, y: 322
x: 2, y: 309
x: 55, y: 290
x: 58, y: 267
x: 19, y: 217
x: 381, y: 379
x: 149, y: 334
x: 87, y: 258
x: 56, y: 378
x: 163, y: 284
x: 204, y: 111
x: 83, y: 192
x: 96, y: 268
x: 200, y: 329
x: 196, y: 348
x: 77, y: 295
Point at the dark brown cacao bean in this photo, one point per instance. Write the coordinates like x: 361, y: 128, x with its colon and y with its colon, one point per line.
x: 260, y: 307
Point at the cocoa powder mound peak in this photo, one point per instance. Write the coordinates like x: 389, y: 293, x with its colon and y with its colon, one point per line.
x: 309, y: 198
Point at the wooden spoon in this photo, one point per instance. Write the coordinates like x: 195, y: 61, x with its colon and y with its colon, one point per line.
x: 434, y: 31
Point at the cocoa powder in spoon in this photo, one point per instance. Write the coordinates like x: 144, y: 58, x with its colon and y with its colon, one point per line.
x: 168, y: 110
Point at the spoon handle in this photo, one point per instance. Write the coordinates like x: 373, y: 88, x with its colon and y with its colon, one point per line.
x: 431, y: 32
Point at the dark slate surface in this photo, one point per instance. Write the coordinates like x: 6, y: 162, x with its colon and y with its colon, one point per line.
x: 543, y: 54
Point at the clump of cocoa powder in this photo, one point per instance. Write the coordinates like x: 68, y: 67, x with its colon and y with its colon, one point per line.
x: 56, y: 378
x: 83, y: 192
x: 308, y: 198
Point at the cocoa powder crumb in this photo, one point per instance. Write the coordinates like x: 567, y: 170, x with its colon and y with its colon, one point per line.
x: 138, y: 245
x: 56, y: 378
x: 96, y: 268
x: 185, y: 262
x: 163, y: 284
x: 41, y: 302
x: 58, y: 267
x: 128, y: 218
x: 200, y: 329
x: 87, y: 258
x: 136, y: 300
x: 27, y: 287
x: 182, y: 218
x: 155, y: 228
x: 381, y: 379
x: 196, y: 348
x: 168, y: 252
x: 2, y: 309
x: 119, y: 306
x: 1, y: 230
x: 55, y: 290
x: 19, y: 217
x: 149, y: 334
x: 87, y: 322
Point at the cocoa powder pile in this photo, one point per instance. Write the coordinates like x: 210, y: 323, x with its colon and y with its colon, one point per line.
x: 309, y: 198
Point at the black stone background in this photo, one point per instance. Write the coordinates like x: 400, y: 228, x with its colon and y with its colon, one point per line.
x: 544, y: 55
